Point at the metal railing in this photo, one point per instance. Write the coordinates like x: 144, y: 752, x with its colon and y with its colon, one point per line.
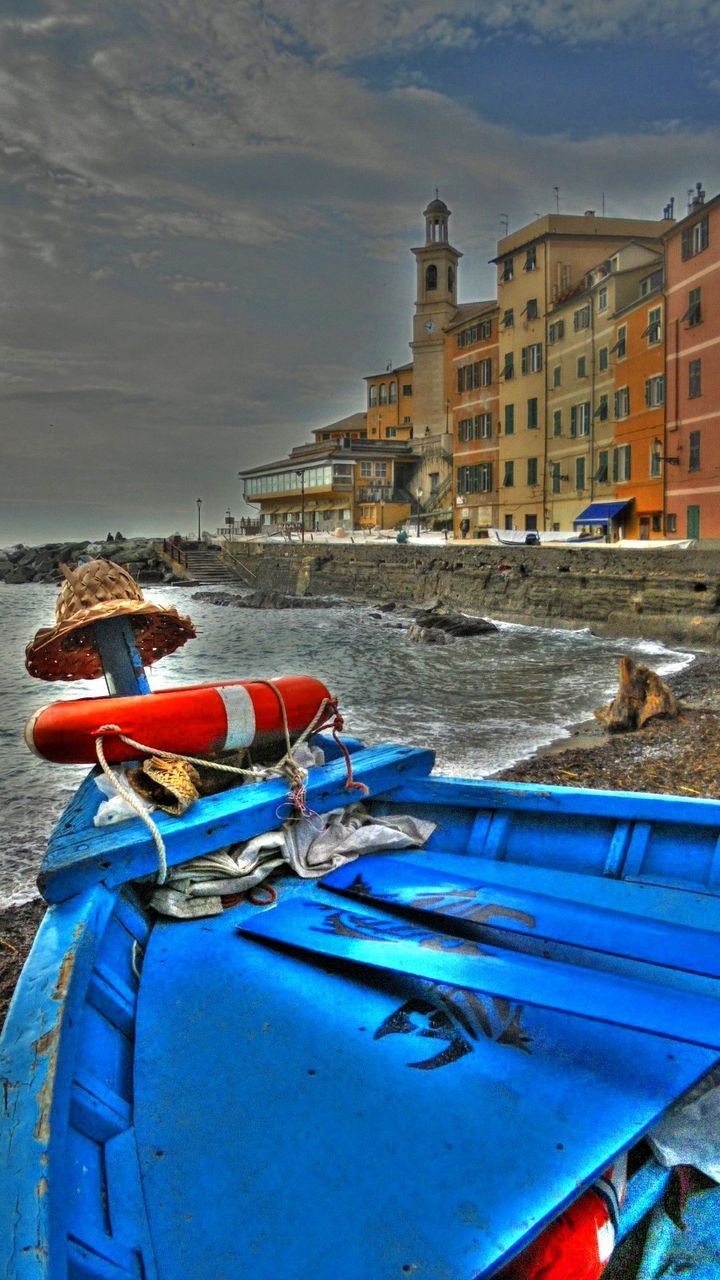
x: 175, y: 552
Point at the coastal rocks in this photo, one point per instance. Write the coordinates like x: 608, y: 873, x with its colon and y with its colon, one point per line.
x: 264, y: 600
x: 21, y: 564
x: 437, y: 626
x: 641, y: 696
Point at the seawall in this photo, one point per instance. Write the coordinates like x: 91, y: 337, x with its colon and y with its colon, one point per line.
x: 672, y: 596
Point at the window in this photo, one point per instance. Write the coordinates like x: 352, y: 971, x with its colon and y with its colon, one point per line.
x: 694, y: 311
x: 694, y: 379
x: 507, y: 270
x: 651, y: 283
x: 407, y: 389
x: 655, y: 460
x: 472, y: 376
x: 557, y: 422
x: 603, y: 360
x: 693, y: 522
x: 694, y: 456
x: 621, y: 462
x: 602, y: 298
x: 509, y: 366
x: 430, y: 279
x: 407, y: 421
x: 366, y: 469
x: 381, y: 470
x: 477, y: 479
x: 508, y: 522
x: 620, y: 347
x: 557, y: 376
x: 580, y: 419
x: 622, y: 403
x: 601, y: 475
x: 556, y: 331
x: 655, y: 391
x: 484, y: 425
x: 509, y: 419
x: 391, y: 433
x: 477, y: 428
x: 531, y: 257
x: 653, y: 333
x: 450, y: 279
x: 555, y: 476
x: 372, y: 397
x: 531, y: 359
x: 509, y: 477
x: 532, y: 413
x: 474, y: 333
x: 532, y: 309
x: 393, y: 393
x: 601, y: 413
x: 532, y: 471
x: 579, y: 473
x: 582, y: 366
x: 581, y: 319
x: 695, y: 239
x: 383, y: 393
x: 530, y: 524
x: 508, y: 318
x: 671, y: 523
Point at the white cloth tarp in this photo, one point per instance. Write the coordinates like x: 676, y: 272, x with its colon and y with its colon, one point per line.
x: 689, y: 1132
x: 311, y: 847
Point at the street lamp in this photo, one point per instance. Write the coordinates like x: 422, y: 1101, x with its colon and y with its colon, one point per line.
x: 419, y: 495
x: 301, y: 474
x: 199, y: 504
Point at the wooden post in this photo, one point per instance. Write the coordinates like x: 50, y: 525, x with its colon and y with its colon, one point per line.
x: 121, y: 662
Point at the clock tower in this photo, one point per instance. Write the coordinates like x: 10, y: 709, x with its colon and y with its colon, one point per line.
x: 435, y: 308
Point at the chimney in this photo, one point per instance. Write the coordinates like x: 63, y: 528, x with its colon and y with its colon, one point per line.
x: 696, y: 198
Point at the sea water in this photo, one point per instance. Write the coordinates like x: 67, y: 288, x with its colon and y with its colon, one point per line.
x: 480, y: 703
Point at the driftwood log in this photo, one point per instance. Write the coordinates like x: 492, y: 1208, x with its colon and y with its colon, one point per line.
x: 641, y: 695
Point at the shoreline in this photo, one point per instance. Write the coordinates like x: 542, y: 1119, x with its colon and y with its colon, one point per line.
x: 679, y: 757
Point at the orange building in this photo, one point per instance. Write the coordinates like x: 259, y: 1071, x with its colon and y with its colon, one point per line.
x: 471, y: 354
x: 692, y: 250
x: 389, y: 404
x: 639, y: 407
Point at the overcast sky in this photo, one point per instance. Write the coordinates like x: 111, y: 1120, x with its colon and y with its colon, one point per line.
x: 208, y: 205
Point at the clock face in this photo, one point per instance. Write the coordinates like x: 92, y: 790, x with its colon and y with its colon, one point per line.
x: 429, y: 326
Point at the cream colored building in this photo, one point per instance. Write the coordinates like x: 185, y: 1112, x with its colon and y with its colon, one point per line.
x: 584, y: 353
x: 540, y: 266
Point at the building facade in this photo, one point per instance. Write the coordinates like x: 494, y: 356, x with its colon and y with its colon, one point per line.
x: 472, y: 379
x: 539, y: 268
x: 692, y: 249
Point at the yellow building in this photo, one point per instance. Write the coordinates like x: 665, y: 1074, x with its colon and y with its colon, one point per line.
x: 583, y: 357
x: 342, y: 480
x: 538, y: 267
x: 390, y: 404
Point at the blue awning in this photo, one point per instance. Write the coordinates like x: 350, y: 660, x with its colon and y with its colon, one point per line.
x: 599, y: 513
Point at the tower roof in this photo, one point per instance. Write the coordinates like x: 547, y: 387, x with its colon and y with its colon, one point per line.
x: 436, y: 206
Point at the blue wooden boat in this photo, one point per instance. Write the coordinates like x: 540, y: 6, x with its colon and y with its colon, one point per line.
x: 408, y: 1068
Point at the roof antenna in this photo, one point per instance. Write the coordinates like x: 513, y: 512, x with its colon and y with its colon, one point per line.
x: 504, y: 223
x: 557, y: 199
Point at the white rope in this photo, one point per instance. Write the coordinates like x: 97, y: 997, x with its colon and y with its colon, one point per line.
x: 133, y: 802
x: 287, y: 767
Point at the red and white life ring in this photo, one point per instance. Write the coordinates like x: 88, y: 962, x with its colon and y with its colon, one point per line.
x: 197, y: 719
x: 578, y: 1243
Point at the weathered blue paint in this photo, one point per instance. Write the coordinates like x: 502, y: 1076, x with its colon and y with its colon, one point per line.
x: 201, y: 1120
x: 113, y: 855
x: 122, y: 664
x: 458, y: 903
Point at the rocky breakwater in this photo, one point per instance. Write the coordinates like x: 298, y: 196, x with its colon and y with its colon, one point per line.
x: 21, y: 564
x: 437, y: 625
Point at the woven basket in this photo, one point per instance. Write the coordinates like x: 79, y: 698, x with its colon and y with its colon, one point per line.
x: 92, y: 593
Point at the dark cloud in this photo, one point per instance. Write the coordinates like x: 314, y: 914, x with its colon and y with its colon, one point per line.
x: 206, y: 216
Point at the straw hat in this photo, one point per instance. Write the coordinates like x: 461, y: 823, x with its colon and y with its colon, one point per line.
x: 94, y: 592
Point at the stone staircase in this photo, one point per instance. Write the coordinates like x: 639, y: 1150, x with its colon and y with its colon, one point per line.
x: 208, y: 568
